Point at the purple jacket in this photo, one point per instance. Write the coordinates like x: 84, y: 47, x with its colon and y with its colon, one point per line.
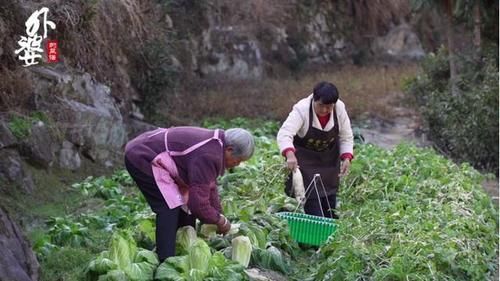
x: 198, y: 170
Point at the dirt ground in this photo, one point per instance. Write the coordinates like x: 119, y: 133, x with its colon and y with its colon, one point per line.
x: 491, y: 187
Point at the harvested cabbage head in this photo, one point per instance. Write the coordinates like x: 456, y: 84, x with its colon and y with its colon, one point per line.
x: 241, y: 250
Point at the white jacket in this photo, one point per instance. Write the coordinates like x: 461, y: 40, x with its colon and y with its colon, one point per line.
x: 297, y: 123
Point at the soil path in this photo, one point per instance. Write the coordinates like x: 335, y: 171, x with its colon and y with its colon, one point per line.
x: 404, y: 126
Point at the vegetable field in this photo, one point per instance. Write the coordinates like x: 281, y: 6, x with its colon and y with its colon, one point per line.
x: 405, y: 214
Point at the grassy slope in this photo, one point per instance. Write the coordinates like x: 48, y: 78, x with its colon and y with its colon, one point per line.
x: 369, y: 90
x: 54, y: 197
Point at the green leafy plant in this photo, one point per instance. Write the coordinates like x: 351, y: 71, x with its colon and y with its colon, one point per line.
x: 407, y: 213
x: 463, y: 126
x: 123, y: 261
x: 196, y: 262
x: 411, y: 214
x: 64, y: 231
x: 20, y: 127
x: 105, y: 188
x: 241, y: 250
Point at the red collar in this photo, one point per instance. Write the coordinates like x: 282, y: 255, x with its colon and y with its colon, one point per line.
x: 323, y: 120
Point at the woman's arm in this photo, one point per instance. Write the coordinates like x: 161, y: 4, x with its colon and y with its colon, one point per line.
x: 202, y: 174
x: 346, y: 137
x: 289, y: 129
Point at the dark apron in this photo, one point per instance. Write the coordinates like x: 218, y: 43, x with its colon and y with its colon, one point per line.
x: 318, y: 153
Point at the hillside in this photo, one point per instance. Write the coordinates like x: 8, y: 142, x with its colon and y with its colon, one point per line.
x: 125, y: 66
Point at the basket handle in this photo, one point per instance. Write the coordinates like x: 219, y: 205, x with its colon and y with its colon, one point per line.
x: 308, y: 193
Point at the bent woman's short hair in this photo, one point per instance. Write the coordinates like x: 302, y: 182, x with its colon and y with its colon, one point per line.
x: 241, y: 141
x: 325, y: 92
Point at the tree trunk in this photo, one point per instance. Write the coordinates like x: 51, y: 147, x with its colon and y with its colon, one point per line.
x: 477, y: 28
x: 451, y: 46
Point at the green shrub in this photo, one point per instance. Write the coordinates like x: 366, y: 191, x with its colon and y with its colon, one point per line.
x: 465, y: 126
x: 20, y: 126
x: 157, y: 80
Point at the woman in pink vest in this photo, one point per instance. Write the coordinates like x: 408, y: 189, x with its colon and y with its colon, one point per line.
x: 177, y: 168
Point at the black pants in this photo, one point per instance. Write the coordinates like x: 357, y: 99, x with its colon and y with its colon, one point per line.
x: 167, y: 220
x: 313, y: 206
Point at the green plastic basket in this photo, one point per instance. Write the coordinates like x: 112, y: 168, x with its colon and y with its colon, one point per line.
x: 308, y: 229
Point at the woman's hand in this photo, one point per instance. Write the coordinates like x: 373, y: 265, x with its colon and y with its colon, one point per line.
x: 291, y: 161
x: 223, y: 225
x: 298, y: 186
x: 344, y: 167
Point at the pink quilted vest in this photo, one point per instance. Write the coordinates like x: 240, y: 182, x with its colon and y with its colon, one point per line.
x: 174, y: 191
